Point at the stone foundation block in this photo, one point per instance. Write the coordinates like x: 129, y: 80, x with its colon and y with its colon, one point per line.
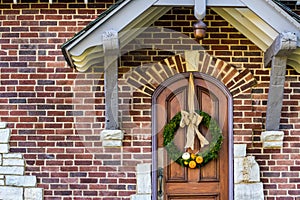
x: 246, y: 170
x: 4, y: 148
x: 1, y: 180
x: 272, y: 139
x: 13, y: 155
x: 13, y: 162
x: 4, y: 135
x: 11, y: 193
x: 239, y: 150
x: 23, y: 181
x: 3, y: 125
x: 140, y: 197
x: 251, y: 191
x: 144, y: 178
x: 12, y: 170
x: 33, y: 194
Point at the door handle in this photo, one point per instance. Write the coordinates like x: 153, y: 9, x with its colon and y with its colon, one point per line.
x: 160, y: 181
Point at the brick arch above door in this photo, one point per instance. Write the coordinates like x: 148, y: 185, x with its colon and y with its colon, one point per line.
x: 147, y: 78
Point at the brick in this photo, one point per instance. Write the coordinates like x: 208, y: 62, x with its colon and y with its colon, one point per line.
x: 44, y: 103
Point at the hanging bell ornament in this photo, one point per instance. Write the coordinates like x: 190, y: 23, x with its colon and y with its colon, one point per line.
x: 199, y: 30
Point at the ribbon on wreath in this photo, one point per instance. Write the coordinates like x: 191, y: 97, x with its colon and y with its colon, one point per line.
x: 192, y: 119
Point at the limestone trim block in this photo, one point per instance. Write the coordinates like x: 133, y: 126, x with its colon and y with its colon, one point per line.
x: 1, y: 180
x: 112, y: 143
x: 247, y: 185
x: 112, y: 135
x: 248, y: 191
x: 4, y: 135
x: 140, y: 197
x: 144, y: 178
x: 13, y: 156
x: 11, y: 193
x: 272, y: 139
x: 246, y: 170
x: 14, y: 185
x: 23, y: 181
x: 13, y: 162
x: 33, y: 194
x: 3, y: 125
x: 112, y: 138
x: 12, y: 170
x: 239, y: 150
x: 4, y: 148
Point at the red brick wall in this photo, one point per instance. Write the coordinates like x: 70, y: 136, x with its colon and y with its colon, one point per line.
x: 56, y: 113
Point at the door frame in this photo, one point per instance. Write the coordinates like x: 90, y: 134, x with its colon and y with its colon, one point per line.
x: 226, y: 92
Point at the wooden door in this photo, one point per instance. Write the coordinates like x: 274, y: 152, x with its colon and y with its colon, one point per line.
x: 210, y: 182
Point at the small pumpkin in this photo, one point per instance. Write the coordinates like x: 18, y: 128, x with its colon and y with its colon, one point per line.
x: 186, y: 156
x: 199, y: 159
x: 193, y: 156
x: 192, y: 164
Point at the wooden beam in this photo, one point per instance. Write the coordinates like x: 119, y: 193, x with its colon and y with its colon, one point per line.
x: 275, y: 95
x: 116, y: 20
x: 274, y: 16
x: 211, y: 3
x: 283, y: 45
x: 259, y: 23
x: 245, y: 26
x: 111, y: 54
x: 294, y: 61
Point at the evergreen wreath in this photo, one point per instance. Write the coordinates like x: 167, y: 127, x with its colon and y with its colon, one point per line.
x: 201, y: 158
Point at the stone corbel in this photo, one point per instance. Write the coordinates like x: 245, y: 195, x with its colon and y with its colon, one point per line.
x: 272, y: 139
x: 111, y: 136
x: 283, y: 45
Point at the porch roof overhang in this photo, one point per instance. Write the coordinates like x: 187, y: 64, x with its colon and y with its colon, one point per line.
x: 261, y: 21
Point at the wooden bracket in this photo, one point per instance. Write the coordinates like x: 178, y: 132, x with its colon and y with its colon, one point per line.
x: 111, y: 55
x: 283, y: 45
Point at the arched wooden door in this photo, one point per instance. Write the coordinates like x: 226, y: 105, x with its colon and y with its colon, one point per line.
x: 211, y: 182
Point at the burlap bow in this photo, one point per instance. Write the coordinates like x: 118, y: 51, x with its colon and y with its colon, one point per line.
x: 192, y: 119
